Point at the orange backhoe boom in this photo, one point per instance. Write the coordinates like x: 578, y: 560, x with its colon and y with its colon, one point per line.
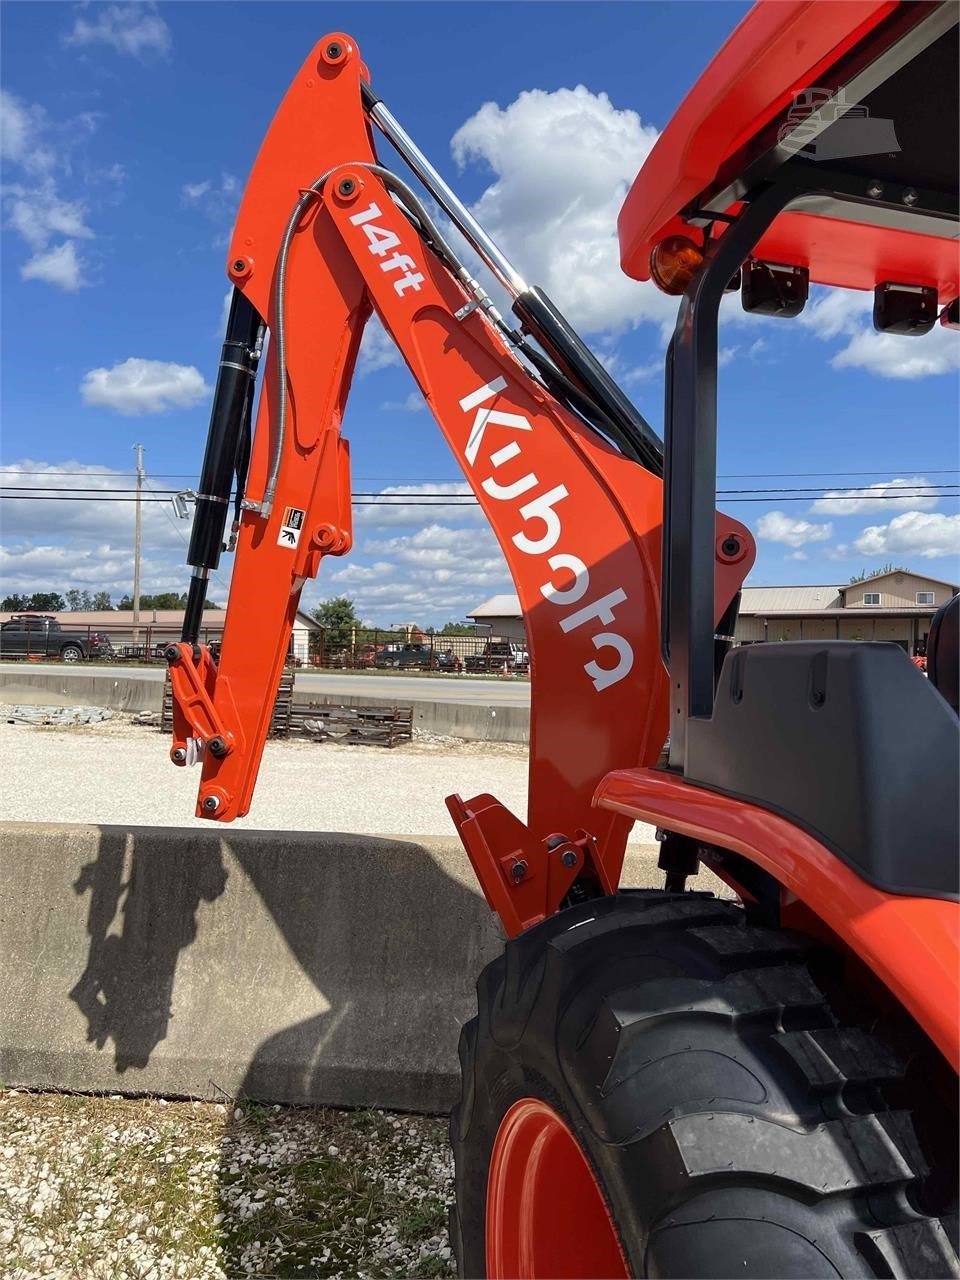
x: 324, y: 237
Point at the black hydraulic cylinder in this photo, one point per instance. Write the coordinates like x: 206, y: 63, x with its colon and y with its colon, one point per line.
x: 229, y: 419
x: 540, y: 317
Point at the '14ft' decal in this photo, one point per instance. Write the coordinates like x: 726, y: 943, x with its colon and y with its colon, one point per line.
x: 380, y: 241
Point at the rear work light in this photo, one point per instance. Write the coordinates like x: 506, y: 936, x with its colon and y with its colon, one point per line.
x: 906, y: 309
x: 770, y: 289
x: 673, y: 262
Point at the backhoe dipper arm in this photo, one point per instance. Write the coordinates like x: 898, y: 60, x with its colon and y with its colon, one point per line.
x: 319, y: 243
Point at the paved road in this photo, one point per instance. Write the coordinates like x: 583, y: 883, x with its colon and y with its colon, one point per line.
x: 473, y: 692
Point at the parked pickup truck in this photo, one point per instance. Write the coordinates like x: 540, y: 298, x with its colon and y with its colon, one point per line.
x: 415, y: 656
x: 31, y: 634
x: 499, y: 653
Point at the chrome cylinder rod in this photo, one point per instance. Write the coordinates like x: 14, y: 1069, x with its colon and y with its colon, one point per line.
x: 453, y: 207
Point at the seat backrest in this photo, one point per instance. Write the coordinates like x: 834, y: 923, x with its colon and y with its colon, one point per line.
x: 943, y: 652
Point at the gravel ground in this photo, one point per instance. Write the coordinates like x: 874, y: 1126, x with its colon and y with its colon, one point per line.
x: 112, y: 1189
x: 86, y: 773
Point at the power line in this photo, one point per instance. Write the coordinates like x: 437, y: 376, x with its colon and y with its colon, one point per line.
x: 183, y: 537
x: 467, y: 500
x: 388, y: 480
x: 910, y: 490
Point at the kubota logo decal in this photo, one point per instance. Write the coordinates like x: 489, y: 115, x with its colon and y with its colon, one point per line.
x: 541, y: 509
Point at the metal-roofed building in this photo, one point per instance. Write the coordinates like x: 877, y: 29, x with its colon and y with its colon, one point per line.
x: 160, y: 626
x: 896, y: 605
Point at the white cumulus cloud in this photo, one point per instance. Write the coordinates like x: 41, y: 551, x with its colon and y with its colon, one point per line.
x: 22, y: 129
x: 136, y: 386
x: 60, y: 266
x: 377, y: 349
x: 32, y: 205
x: 53, y: 541
x: 38, y: 213
x: 135, y: 30
x: 413, y: 403
x: 434, y: 574
x: 416, y: 504
x: 847, y: 313
x: 916, y: 533
x: 776, y: 526
x: 562, y: 163
x: 901, y: 494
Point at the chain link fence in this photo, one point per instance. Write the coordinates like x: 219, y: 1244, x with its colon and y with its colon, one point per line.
x: 338, y: 648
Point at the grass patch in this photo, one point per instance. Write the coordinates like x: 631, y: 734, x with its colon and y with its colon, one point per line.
x: 114, y: 1188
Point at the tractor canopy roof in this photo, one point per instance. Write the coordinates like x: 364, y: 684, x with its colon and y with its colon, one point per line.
x: 854, y: 90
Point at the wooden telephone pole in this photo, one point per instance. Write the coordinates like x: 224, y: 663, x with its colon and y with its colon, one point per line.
x: 137, y: 535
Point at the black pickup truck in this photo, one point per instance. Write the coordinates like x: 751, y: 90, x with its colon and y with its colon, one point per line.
x: 32, y: 634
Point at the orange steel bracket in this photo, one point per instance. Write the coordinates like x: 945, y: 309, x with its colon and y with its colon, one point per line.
x: 579, y: 524
x: 193, y: 675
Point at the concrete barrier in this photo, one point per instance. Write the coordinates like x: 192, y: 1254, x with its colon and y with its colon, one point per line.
x: 69, y: 686
x: 143, y: 691
x: 289, y: 967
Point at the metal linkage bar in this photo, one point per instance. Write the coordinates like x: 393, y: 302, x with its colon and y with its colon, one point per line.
x: 449, y: 202
x: 537, y: 313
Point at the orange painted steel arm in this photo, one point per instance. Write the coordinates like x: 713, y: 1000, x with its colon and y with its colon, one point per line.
x: 911, y: 944
x: 578, y: 523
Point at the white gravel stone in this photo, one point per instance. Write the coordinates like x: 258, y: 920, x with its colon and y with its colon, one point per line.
x: 84, y: 775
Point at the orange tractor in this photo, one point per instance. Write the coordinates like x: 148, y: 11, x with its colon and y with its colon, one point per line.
x: 658, y: 1082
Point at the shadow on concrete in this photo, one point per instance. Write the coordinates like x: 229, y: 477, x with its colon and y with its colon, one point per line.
x: 126, y: 990
x: 393, y: 944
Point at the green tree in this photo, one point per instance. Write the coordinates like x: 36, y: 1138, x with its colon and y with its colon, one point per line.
x: 457, y: 629
x: 77, y: 600
x: 15, y: 603
x: 160, y: 600
x: 46, y: 602
x: 102, y: 601
x: 338, y: 612
x: 864, y: 574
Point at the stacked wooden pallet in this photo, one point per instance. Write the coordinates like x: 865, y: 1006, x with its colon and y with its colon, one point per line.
x: 372, y: 726
x: 282, y: 708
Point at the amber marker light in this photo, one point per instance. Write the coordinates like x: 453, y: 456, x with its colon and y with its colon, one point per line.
x: 673, y: 262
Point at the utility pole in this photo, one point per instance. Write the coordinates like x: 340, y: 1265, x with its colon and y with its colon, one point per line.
x: 137, y: 533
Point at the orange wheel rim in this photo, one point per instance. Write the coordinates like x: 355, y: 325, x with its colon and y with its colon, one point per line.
x: 546, y: 1214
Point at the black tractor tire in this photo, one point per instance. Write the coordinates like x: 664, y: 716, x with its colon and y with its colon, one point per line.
x: 71, y: 653
x: 734, y: 1126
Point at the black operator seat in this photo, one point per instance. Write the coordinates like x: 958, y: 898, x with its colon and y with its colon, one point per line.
x: 943, y: 651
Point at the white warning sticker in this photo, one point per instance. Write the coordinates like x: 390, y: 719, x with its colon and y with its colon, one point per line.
x: 291, y: 527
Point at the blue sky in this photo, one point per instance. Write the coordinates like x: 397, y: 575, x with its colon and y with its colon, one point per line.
x: 128, y: 132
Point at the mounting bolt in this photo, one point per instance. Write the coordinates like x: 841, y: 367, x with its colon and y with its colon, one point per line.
x: 569, y: 858
x: 178, y: 755
x: 875, y: 190
x: 172, y: 654
x: 217, y: 748
x: 730, y: 546
x: 910, y: 196
x: 519, y: 870
x: 346, y: 187
x: 334, y: 51
x: 239, y: 265
x: 211, y: 804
